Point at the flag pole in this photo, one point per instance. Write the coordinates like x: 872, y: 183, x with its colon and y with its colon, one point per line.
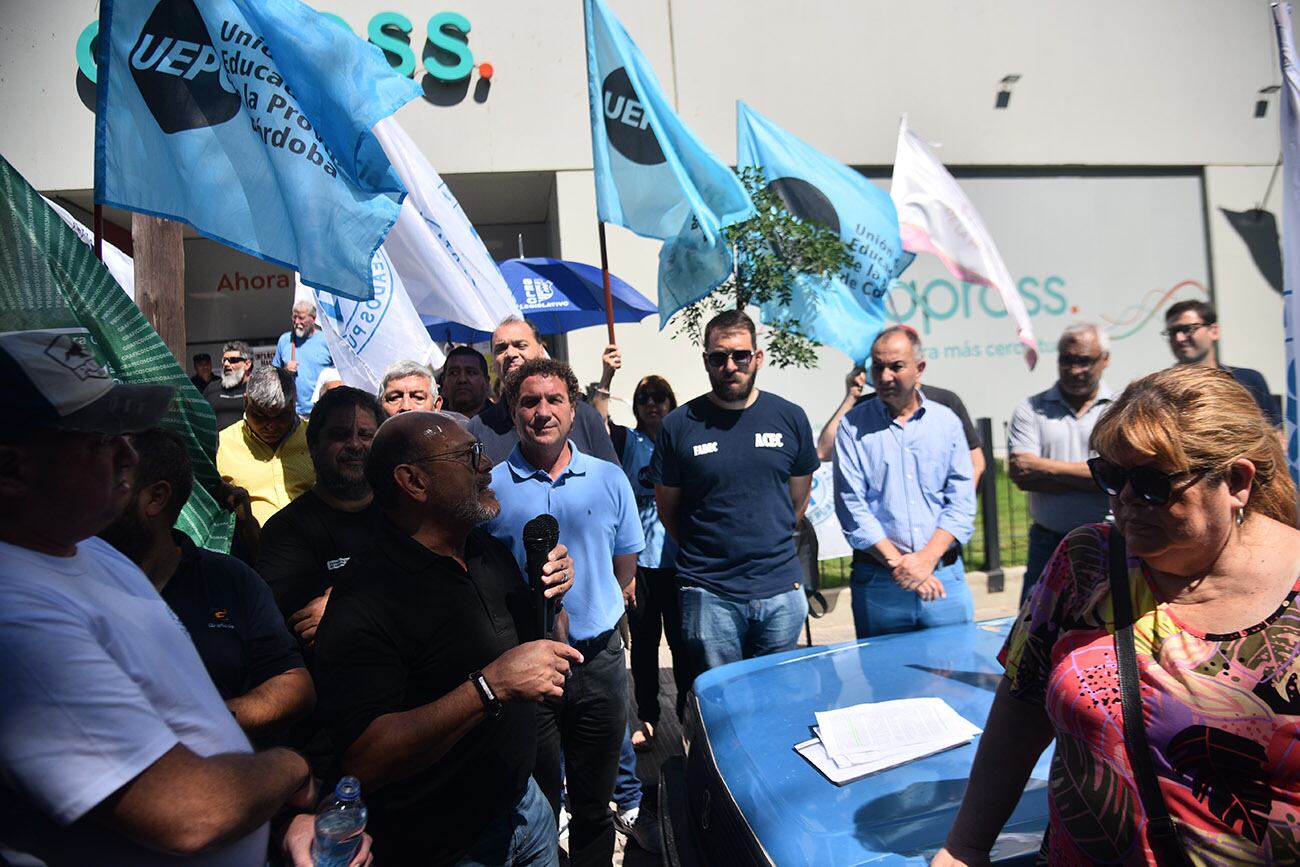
x: 99, y: 232
x: 604, y: 273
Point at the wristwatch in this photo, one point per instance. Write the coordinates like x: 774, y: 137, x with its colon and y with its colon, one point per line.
x: 491, y: 703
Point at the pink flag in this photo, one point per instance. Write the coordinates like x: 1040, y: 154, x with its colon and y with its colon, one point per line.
x: 934, y: 216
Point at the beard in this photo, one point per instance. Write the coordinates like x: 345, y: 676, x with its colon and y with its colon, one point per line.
x: 129, y: 535
x: 734, y: 391
x: 299, y: 331
x: 341, y: 485
x: 232, y: 379
x: 473, y: 512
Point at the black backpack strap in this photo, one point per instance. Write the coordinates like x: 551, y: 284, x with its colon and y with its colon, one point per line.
x: 1161, y: 831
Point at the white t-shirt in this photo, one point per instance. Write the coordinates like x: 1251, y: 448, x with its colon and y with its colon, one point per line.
x: 98, y: 679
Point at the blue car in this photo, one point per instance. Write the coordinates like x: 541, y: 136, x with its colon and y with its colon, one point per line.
x: 742, y: 795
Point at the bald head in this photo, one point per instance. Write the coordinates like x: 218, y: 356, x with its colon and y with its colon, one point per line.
x: 404, y: 438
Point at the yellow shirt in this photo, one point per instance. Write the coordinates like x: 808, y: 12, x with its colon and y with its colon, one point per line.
x: 273, y: 477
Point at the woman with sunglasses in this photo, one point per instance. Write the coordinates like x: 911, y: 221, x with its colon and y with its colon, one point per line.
x: 1201, y: 493
x: 656, y: 612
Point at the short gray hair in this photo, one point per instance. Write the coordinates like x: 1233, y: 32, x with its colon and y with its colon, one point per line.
x: 907, y: 331
x: 271, y: 390
x: 238, y: 346
x: 309, y: 307
x: 1076, y: 330
x: 404, y: 368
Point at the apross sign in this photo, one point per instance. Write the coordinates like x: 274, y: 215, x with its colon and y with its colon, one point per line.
x: 447, y: 56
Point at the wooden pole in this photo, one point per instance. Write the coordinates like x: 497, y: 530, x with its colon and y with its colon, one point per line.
x: 160, y: 279
x: 604, y: 273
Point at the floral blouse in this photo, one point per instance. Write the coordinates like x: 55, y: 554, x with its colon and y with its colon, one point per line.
x: 1222, y: 715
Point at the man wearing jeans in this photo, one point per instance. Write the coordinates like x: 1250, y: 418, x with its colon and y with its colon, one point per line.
x: 904, y: 496
x: 1049, y: 446
x: 593, y: 503
x: 733, y: 471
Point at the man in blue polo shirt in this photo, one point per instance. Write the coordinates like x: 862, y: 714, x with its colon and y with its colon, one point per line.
x: 733, y: 472
x: 304, y: 353
x: 596, y: 510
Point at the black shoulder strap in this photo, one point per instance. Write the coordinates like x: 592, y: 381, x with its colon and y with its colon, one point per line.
x: 1161, y: 832
x: 618, y: 436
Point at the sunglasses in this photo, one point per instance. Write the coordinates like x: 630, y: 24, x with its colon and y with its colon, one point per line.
x: 475, y: 450
x: 1152, y: 485
x: 1184, y: 330
x: 652, y: 397
x: 718, y: 358
x: 234, y: 359
x: 1070, y: 362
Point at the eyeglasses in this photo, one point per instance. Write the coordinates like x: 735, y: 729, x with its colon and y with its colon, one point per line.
x: 476, y: 451
x: 1152, y: 485
x: 1184, y: 330
x: 657, y: 396
x: 233, y: 359
x: 1071, y: 361
x: 718, y: 358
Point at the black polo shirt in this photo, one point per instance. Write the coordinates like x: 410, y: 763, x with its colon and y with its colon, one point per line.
x: 496, y: 429
x: 231, y: 618
x: 227, y: 403
x: 404, y: 627
x: 305, y: 544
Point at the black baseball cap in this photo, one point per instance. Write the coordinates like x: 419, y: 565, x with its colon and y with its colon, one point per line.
x: 51, y: 380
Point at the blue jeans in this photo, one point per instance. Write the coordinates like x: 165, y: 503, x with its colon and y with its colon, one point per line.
x: 1042, y: 545
x: 718, y: 629
x: 627, y: 786
x: 880, y: 606
x: 523, y: 836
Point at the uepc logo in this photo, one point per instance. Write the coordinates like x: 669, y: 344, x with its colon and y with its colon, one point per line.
x: 806, y: 202
x: 626, y: 123
x: 178, y: 71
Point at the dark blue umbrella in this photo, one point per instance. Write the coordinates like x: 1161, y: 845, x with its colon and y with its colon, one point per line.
x: 556, y: 296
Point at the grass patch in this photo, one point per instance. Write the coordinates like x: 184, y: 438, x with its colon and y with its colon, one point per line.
x: 1013, y: 533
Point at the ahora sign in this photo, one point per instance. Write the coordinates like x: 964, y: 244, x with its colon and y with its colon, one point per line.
x: 244, y: 282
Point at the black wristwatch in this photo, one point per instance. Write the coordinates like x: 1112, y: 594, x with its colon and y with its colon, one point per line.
x: 491, y: 703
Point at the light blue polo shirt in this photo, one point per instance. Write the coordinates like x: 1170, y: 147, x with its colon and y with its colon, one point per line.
x: 598, y: 518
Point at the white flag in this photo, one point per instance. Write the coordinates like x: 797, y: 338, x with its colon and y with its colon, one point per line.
x: 120, y: 265
x: 366, y: 337
x: 934, y: 216
x: 1290, y: 99
x: 433, y: 247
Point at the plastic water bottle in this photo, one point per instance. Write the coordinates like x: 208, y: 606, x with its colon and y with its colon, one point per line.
x: 339, y: 823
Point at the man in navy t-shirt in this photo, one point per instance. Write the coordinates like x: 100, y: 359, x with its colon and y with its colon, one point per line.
x: 1193, y: 331
x: 733, y: 471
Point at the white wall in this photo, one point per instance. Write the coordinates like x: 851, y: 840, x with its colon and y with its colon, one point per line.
x: 1108, y: 82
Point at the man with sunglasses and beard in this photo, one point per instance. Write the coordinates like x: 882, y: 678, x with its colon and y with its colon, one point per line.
x: 1049, y: 446
x: 733, y: 473
x: 226, y: 392
x: 428, y: 662
x: 904, y: 497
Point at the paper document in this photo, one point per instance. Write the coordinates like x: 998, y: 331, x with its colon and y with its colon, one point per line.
x: 861, y: 732
x: 839, y: 774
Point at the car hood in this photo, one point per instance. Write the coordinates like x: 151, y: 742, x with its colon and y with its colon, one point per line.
x: 754, y: 712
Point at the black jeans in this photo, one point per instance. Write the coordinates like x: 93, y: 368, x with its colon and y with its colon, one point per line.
x: 589, y: 724
x: 657, y: 612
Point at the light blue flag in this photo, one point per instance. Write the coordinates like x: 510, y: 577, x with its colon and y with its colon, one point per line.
x: 653, y: 175
x: 846, y: 311
x: 250, y: 120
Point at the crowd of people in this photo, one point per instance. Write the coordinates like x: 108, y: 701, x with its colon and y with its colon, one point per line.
x: 383, y: 613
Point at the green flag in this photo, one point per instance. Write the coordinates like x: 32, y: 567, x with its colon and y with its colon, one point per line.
x: 50, y: 279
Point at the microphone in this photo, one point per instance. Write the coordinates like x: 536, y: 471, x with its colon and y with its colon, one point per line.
x: 541, y: 534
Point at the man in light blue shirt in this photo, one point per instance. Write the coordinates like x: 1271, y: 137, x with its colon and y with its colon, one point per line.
x: 597, y: 513
x: 304, y: 353
x: 905, y: 498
